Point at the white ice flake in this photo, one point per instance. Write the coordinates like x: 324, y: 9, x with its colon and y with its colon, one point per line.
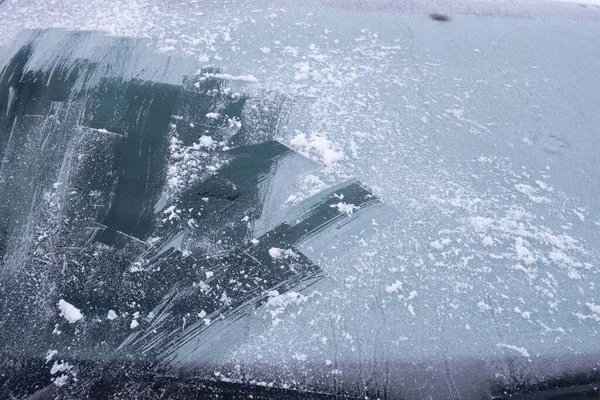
x: 277, y: 253
x: 487, y: 241
x: 62, y: 370
x: 229, y: 77
x: 523, y: 252
x: 50, y: 354
x: 300, y: 357
x: 345, y: 208
x: 206, y: 141
x: 69, y: 311
x: 277, y: 302
x: 316, y: 147
x: 519, y: 350
x: 394, y: 287
x: 530, y: 191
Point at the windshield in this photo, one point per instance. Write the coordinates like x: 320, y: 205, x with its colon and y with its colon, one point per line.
x: 332, y: 199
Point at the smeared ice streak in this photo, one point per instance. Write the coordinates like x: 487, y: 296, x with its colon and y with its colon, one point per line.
x: 220, y: 203
x: 87, y: 161
x: 24, y: 159
x: 246, y: 276
x: 97, y: 189
x: 129, y: 378
x: 140, y: 112
x: 38, y: 142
